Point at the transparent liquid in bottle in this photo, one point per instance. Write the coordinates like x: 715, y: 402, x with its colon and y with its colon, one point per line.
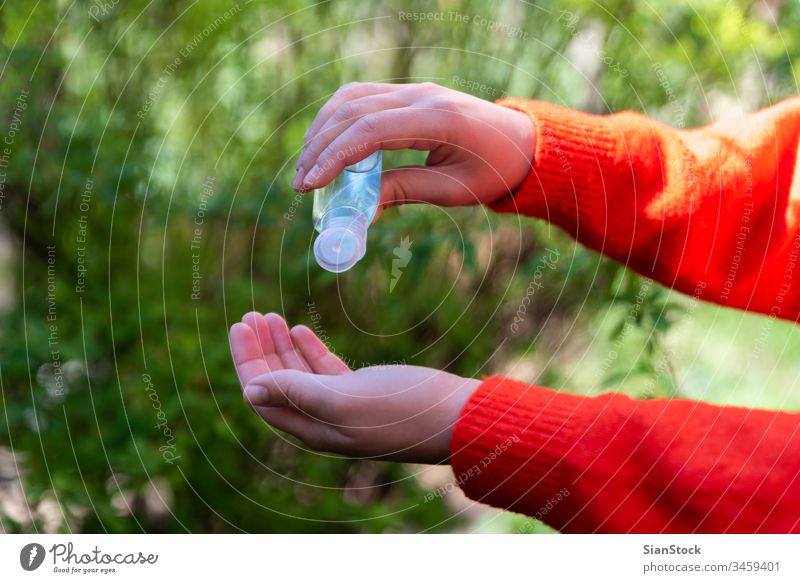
x: 343, y: 211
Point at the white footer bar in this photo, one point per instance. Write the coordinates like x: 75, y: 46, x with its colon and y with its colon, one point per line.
x: 406, y: 558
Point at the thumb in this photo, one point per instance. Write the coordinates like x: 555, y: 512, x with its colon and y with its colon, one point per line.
x: 304, y: 391
x: 418, y: 184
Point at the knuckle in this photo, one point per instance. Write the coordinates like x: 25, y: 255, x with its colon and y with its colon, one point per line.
x: 444, y: 104
x: 288, y: 390
x: 327, y: 154
x: 346, y: 111
x: 367, y: 125
x: 347, y: 89
x: 310, y: 150
x: 397, y: 190
x: 430, y: 87
x: 400, y: 195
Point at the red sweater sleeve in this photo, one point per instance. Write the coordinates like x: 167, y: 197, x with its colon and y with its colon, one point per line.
x: 616, y: 464
x: 713, y: 212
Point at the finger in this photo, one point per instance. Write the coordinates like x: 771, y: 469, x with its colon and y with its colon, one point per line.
x: 345, y: 116
x: 393, y: 129
x: 312, y: 394
x: 283, y: 343
x: 248, y: 359
x: 346, y: 93
x: 312, y: 433
x: 422, y: 184
x: 288, y: 420
x: 317, y: 355
x: 256, y: 322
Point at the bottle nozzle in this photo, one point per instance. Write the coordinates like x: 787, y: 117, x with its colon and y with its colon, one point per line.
x: 341, y: 243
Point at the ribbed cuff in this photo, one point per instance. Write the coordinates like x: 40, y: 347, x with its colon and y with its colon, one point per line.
x: 510, y: 446
x: 573, y: 152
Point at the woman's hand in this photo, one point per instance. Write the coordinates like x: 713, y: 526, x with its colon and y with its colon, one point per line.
x: 295, y: 383
x: 479, y: 151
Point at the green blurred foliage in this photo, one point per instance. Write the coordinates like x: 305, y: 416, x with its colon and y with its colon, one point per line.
x: 158, y: 141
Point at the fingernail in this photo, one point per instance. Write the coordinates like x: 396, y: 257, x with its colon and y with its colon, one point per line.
x: 256, y: 395
x: 311, y: 178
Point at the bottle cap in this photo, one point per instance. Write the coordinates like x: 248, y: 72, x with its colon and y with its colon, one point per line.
x: 341, y: 244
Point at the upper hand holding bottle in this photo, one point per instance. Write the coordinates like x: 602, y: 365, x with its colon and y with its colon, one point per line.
x: 479, y: 151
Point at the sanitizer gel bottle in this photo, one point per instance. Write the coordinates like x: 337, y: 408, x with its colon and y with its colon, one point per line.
x: 343, y: 211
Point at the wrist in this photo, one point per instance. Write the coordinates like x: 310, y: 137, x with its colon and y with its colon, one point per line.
x: 456, y: 406
x: 523, y: 137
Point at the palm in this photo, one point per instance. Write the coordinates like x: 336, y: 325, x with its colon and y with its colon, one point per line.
x: 295, y: 383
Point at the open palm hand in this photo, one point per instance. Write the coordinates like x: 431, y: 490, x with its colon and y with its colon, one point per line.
x: 296, y: 384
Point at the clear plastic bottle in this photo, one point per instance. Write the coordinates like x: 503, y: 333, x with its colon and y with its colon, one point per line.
x: 343, y: 211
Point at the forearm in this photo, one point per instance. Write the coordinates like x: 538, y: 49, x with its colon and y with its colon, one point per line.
x: 615, y: 464
x: 711, y: 212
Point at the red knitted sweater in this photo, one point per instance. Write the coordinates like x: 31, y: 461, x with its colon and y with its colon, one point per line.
x: 712, y: 211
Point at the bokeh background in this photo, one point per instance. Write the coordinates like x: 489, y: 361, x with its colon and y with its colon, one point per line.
x: 146, y: 154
